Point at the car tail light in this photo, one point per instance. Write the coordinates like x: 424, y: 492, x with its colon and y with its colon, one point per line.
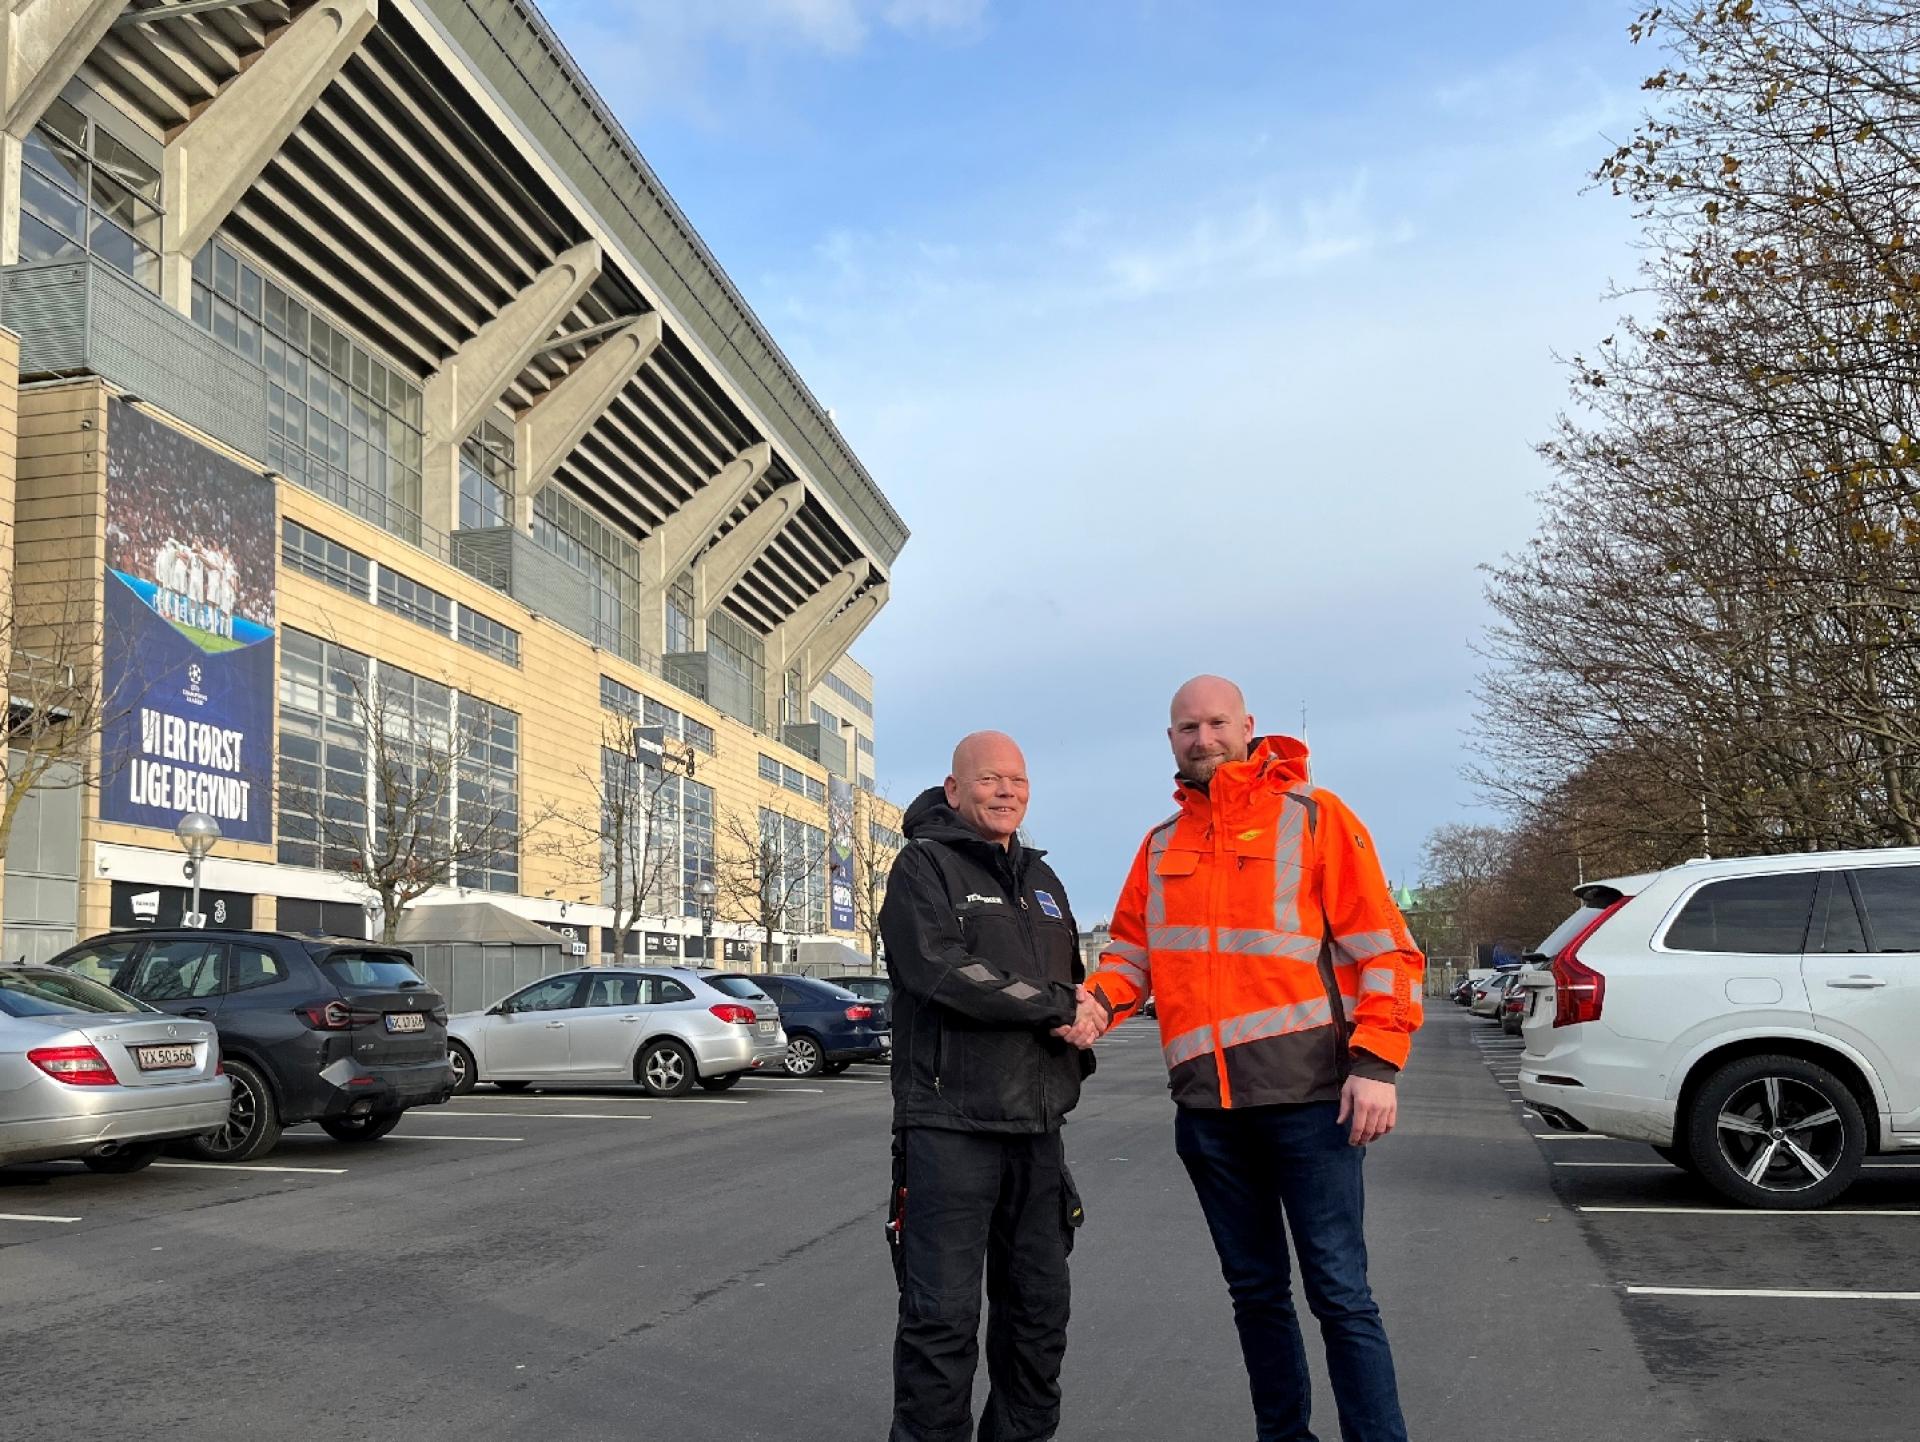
x: 80, y: 1066
x: 336, y: 1016
x: 1580, y: 992
x: 734, y: 1012
x: 439, y: 1014
x: 219, y: 1065
x: 859, y: 1013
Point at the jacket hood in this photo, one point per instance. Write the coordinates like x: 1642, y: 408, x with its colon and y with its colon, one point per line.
x: 929, y: 818
x: 1277, y: 762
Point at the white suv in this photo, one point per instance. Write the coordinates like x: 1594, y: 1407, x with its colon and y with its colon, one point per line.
x: 1756, y: 1019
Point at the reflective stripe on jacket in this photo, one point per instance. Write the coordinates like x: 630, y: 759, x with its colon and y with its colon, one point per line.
x: 1258, y: 918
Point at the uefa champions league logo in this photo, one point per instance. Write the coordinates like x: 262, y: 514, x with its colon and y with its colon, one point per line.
x: 193, y: 694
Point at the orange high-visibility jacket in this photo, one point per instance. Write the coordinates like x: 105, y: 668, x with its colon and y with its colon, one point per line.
x: 1258, y: 918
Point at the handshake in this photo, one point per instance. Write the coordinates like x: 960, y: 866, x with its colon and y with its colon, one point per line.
x: 1091, y: 1020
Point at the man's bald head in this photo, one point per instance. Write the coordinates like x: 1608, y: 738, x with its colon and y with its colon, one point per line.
x: 1209, y: 725
x: 988, y: 787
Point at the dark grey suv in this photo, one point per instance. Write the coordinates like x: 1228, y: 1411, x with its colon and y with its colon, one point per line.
x: 312, y: 1029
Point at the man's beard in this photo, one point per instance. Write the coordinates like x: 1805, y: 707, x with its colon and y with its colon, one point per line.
x: 1202, y: 769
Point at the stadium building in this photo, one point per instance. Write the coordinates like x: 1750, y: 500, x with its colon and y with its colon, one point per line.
x: 391, y: 473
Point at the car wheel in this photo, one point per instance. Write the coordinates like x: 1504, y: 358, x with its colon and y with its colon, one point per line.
x: 512, y: 1086
x: 803, y: 1056
x: 665, y: 1069
x: 252, y: 1126
x: 465, y: 1072
x: 135, y: 1157
x: 719, y: 1083
x: 369, y: 1128
x: 1776, y: 1131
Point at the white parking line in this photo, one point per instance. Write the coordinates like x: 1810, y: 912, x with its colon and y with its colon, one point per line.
x: 1668, y: 1166
x: 32, y: 1217
x: 1774, y: 1293
x: 573, y: 1116
x: 1761, y: 1211
x: 776, y: 1091
x: 426, y: 1137
x: 1574, y: 1137
x: 248, y: 1167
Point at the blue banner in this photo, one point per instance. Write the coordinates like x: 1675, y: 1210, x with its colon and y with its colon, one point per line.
x: 840, y: 853
x: 189, y: 675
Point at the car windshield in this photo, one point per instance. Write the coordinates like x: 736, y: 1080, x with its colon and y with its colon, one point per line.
x: 739, y: 986
x: 51, y: 993
x: 372, y: 968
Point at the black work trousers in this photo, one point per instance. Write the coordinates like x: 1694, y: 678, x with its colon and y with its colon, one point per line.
x: 974, y: 1200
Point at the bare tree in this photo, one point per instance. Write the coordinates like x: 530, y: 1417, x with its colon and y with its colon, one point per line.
x: 876, y: 842
x: 1713, y: 641
x: 766, y: 869
x: 50, y: 632
x: 432, y: 809
x: 1462, y: 864
x: 627, y: 837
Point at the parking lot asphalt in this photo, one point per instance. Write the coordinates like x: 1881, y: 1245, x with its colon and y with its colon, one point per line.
x: 593, y: 1263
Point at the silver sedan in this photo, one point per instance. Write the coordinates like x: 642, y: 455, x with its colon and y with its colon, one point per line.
x: 665, y: 1028
x: 88, y: 1072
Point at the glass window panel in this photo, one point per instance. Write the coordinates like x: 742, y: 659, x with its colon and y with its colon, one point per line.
x: 1753, y: 914
x: 1891, y: 895
x: 226, y: 273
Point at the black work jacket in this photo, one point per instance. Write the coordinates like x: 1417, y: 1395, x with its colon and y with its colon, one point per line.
x: 984, y: 956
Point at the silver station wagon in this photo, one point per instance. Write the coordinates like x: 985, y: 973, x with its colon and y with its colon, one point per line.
x: 664, y: 1028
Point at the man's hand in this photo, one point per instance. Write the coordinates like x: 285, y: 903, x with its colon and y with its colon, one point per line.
x: 1088, y: 1023
x: 1374, y: 1106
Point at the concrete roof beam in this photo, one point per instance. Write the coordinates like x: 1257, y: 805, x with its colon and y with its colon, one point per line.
x: 43, y: 44
x: 211, y: 163
x: 726, y: 563
x: 557, y: 422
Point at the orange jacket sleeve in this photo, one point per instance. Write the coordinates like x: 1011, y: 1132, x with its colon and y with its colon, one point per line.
x: 1369, y: 932
x: 1123, y: 979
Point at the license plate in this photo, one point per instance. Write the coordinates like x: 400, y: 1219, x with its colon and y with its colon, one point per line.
x: 406, y: 1021
x: 765, y: 1028
x: 162, y: 1058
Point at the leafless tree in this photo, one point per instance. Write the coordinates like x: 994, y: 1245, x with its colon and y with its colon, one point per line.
x: 433, y: 810
x: 1713, y: 641
x: 51, y: 635
x: 876, y: 842
x: 627, y: 836
x: 764, y: 868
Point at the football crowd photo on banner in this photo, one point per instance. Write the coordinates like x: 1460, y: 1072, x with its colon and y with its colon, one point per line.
x: 189, y: 656
x: 840, y: 852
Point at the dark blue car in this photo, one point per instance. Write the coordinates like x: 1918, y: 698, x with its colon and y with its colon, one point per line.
x: 828, y: 1027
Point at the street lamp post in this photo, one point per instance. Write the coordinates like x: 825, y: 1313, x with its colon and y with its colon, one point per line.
x: 197, y: 832
x: 706, y: 891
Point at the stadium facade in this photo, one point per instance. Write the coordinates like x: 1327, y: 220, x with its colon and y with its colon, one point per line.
x: 368, y: 405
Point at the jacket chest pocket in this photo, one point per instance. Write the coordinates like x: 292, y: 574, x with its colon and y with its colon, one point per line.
x: 1178, y: 885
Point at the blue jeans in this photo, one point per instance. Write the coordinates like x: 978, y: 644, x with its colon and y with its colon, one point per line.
x: 1250, y: 1167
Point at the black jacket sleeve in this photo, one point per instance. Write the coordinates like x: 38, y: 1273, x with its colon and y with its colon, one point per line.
x: 928, y: 957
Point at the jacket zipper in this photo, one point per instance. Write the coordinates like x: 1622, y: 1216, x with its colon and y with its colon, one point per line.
x: 1033, y: 955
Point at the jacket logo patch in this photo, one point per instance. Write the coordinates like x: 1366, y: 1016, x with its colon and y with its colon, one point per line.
x: 986, y: 900
x: 1048, y: 904
x: 1250, y: 835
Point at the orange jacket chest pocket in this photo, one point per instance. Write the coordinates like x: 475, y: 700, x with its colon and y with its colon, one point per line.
x: 1178, y: 885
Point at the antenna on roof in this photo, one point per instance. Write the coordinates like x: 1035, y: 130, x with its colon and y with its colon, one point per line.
x: 1303, y: 738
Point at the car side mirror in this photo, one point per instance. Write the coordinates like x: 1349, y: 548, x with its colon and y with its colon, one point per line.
x: 497, y: 1010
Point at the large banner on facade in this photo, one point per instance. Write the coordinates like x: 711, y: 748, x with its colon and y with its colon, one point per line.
x: 840, y: 853
x: 189, y: 656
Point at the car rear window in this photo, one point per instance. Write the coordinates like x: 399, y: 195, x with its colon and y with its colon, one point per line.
x: 1567, y: 930
x: 371, y: 968
x: 739, y: 986
x: 1758, y: 915
x: 35, y: 993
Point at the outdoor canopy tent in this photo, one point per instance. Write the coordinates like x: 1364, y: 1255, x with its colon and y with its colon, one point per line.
x: 474, y: 953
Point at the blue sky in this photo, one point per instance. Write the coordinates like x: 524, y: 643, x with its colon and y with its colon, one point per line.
x: 1186, y: 336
